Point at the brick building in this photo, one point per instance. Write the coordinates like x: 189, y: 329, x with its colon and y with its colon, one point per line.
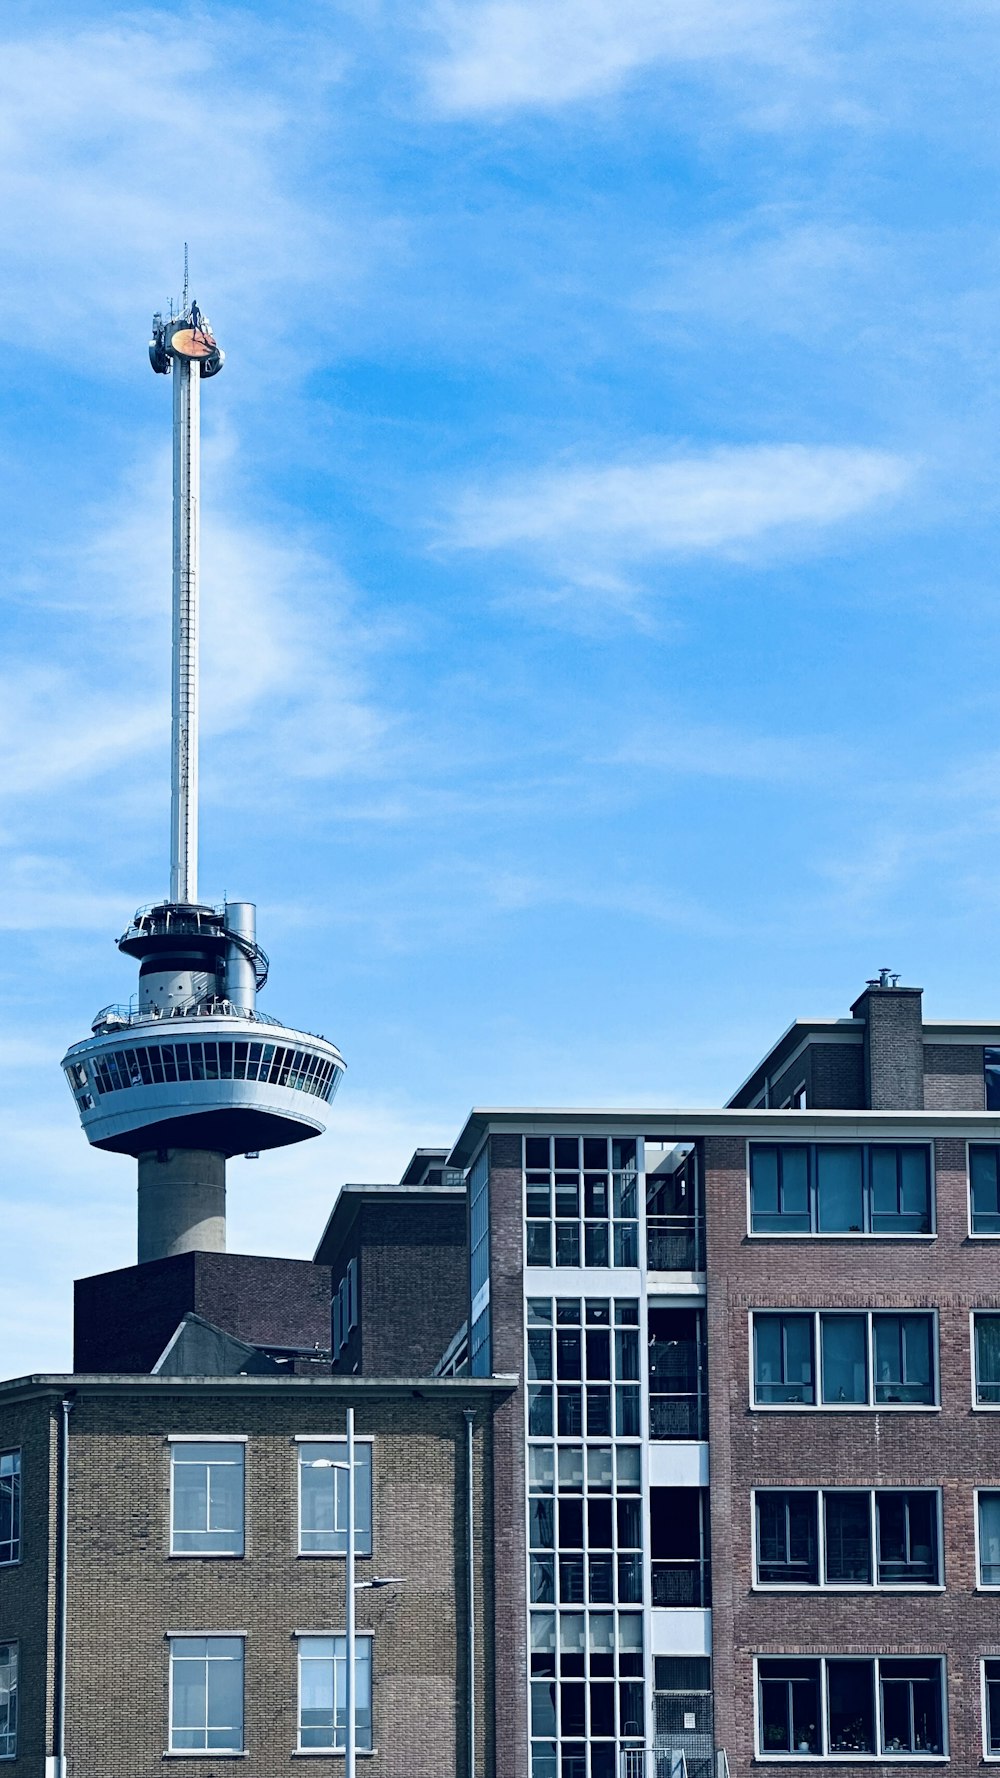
x: 733, y: 1375
x: 754, y: 1458
x: 204, y: 1568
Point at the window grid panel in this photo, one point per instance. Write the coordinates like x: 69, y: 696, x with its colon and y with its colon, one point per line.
x: 206, y: 1499
x: 8, y: 1700
x: 881, y: 1706
x: 794, y: 1350
x: 322, y: 1664
x: 585, y: 1542
x: 206, y: 1694
x: 920, y: 1539
x: 991, y: 1709
x: 10, y: 1507
x: 305, y: 1071
x: 824, y: 1188
x: 322, y: 1466
x: 986, y: 1344
x: 581, y: 1201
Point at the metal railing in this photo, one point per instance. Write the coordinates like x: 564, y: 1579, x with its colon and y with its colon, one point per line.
x: 117, y: 1017
x: 675, y: 1243
x: 653, y: 1762
x: 687, y: 1582
x: 673, y: 1415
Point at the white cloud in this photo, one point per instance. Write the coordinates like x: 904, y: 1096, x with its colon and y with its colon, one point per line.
x: 119, y: 142
x: 718, y: 502
x: 544, y: 53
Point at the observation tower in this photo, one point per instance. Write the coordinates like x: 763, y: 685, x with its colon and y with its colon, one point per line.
x: 192, y: 1071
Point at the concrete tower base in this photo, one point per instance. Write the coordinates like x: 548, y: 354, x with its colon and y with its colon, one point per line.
x: 182, y: 1202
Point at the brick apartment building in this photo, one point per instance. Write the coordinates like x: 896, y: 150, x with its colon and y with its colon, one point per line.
x: 734, y: 1376
x: 754, y: 1448
x: 203, y: 1543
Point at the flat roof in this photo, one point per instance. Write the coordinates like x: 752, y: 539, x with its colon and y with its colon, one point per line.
x: 353, y: 1194
x: 127, y: 1383
x: 682, y: 1125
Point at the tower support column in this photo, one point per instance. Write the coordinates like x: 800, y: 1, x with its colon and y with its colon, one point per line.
x: 182, y: 1202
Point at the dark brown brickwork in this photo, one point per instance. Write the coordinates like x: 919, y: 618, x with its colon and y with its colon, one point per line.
x: 894, y: 1047
x: 833, y: 1075
x: 955, y: 1447
x: 415, y: 1280
x: 506, y: 1316
x: 27, y: 1588
x: 126, y: 1592
x: 123, y: 1319
x: 953, y: 1077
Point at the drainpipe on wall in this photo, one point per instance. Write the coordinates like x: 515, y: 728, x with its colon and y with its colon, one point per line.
x: 55, y: 1764
x: 470, y: 1554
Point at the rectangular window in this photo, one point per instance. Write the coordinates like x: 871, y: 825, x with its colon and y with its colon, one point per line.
x: 8, y: 1700
x: 323, y: 1498
x: 206, y: 1498
x: 866, y: 1358
x: 783, y: 1358
x: 787, y: 1538
x: 826, y: 1188
x: 323, y: 1693
x: 991, y: 1703
x: 856, y: 1538
x: 987, y: 1342
x: 581, y: 1201
x: 206, y: 1694
x: 984, y: 1188
x: 989, y: 1541
x: 840, y: 1705
x: 903, y: 1359
x: 10, y: 1506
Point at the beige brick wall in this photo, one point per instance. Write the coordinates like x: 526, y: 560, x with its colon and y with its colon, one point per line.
x: 126, y: 1592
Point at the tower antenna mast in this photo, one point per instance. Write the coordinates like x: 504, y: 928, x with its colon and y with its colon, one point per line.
x: 194, y: 1073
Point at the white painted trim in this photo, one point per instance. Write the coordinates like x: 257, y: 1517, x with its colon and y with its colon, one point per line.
x: 207, y: 1438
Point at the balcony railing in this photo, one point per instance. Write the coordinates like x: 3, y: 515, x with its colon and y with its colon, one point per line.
x: 677, y: 1416
x: 675, y: 1244
x: 683, y: 1582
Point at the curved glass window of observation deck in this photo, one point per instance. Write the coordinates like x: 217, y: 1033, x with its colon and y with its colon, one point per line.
x: 302, y: 1070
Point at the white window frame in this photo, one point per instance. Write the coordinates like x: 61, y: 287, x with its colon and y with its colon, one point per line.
x: 975, y: 1234
x: 334, y: 1752
x: 983, y: 1586
x: 330, y: 1438
x: 860, y: 1235
x: 171, y: 1752
x: 992, y: 1759
x: 980, y: 1407
x: 175, y: 1439
x: 16, y: 1451
x: 871, y: 1406
x: 14, y: 1643
x: 850, y: 1758
x: 825, y: 1586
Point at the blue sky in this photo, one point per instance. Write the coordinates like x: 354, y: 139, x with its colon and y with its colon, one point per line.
x: 600, y: 541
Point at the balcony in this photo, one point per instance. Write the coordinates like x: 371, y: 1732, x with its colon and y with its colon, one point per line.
x: 675, y: 1243
x: 678, y: 1384
x: 680, y: 1583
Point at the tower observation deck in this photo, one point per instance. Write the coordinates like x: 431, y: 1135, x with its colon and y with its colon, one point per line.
x: 192, y: 1072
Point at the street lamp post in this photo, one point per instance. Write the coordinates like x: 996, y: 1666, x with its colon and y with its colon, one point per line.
x: 351, y: 1588
x: 350, y: 1750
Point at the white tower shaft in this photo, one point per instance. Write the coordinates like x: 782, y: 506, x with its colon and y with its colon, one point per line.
x: 184, y: 689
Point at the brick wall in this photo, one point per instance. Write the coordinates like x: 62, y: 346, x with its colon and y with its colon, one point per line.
x: 123, y: 1319
x: 414, y: 1284
x: 953, y: 1077
x: 126, y: 1592
x: 954, y: 1447
x: 506, y: 1320
x: 893, y: 1048
x: 27, y: 1589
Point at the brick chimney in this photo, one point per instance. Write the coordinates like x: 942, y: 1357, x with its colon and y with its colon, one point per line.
x: 894, y: 1044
